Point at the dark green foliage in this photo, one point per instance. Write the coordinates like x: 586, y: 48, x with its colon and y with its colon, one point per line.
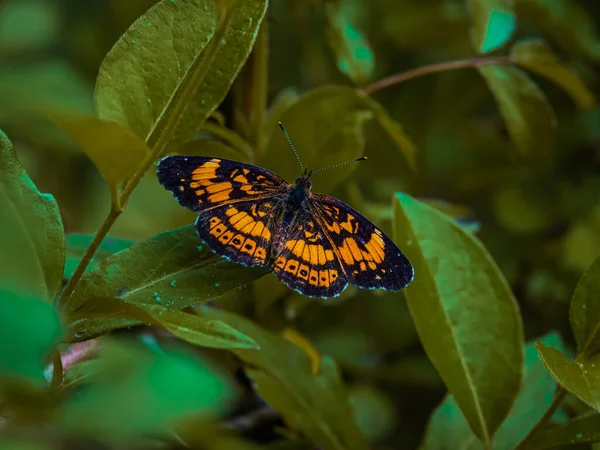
x: 479, y: 120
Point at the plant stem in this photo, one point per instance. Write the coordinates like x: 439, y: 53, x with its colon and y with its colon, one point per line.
x: 558, y: 398
x: 88, y: 255
x: 432, y: 68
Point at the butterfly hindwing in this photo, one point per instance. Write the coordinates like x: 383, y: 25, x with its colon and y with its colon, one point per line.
x: 305, y: 260
x: 368, y: 257
x: 201, y: 183
x: 241, y: 232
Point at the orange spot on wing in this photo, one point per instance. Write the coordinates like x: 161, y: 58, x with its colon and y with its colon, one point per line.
x: 237, y: 241
x: 291, y: 266
x: 314, y: 254
x: 351, y: 244
x: 245, y: 220
x: 220, y: 196
x: 231, y: 211
x: 329, y: 255
x: 218, y: 230
x: 226, y: 237
x: 324, y: 278
x: 280, y: 262
x: 313, y: 278
x: 260, y: 255
x: 347, y: 225
x: 249, y: 246
x: 321, y: 254
x: 241, y: 179
x: 306, y: 253
x: 303, y: 271
x: 218, y: 187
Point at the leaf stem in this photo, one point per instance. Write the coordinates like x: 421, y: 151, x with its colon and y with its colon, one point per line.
x: 432, y: 68
x: 558, y: 398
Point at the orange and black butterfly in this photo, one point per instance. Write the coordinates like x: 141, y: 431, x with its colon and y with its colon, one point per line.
x: 313, y: 243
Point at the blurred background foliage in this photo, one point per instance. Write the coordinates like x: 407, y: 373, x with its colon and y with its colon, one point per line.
x: 539, y: 216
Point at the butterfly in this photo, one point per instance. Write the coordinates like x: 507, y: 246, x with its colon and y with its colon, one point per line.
x: 314, y: 243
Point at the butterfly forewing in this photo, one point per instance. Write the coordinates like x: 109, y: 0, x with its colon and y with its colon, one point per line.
x: 368, y: 257
x: 201, y: 183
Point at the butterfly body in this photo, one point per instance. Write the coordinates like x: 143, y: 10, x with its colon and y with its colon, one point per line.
x: 313, y: 243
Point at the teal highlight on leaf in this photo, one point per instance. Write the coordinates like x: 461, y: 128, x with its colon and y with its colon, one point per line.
x: 501, y: 26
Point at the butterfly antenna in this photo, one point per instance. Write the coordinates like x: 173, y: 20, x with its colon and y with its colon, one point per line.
x: 291, y: 145
x: 339, y: 165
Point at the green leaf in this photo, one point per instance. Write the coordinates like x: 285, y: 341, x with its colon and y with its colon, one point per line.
x: 395, y: 132
x: 529, y: 117
x: 493, y: 23
x: 448, y: 425
x: 582, y: 379
x: 316, y: 405
x: 175, y: 65
x: 30, y: 329
x: 353, y: 53
x: 567, y: 22
x: 116, y: 151
x: 31, y: 232
x: 465, y: 313
x: 192, y: 328
x: 538, y: 57
x: 326, y: 127
x: 579, y: 430
x: 174, y: 269
x: 137, y: 392
x: 585, y: 311
x: 78, y: 243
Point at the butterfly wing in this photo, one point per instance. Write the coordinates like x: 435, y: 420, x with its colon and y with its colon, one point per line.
x: 306, y: 260
x: 200, y: 183
x: 242, y: 232
x: 239, y: 204
x: 369, y: 259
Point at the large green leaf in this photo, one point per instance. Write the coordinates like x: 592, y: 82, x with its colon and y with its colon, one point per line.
x: 580, y: 430
x: 116, y: 151
x: 31, y: 231
x: 568, y: 24
x: 585, y: 311
x: 353, y: 53
x: 173, y: 269
x: 137, y: 392
x: 316, y: 405
x: 464, y: 311
x: 174, y: 66
x: 326, y: 127
x: 192, y: 328
x: 449, y: 429
x: 580, y: 378
x: 537, y: 56
x: 30, y: 329
x: 529, y: 117
x: 493, y: 23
